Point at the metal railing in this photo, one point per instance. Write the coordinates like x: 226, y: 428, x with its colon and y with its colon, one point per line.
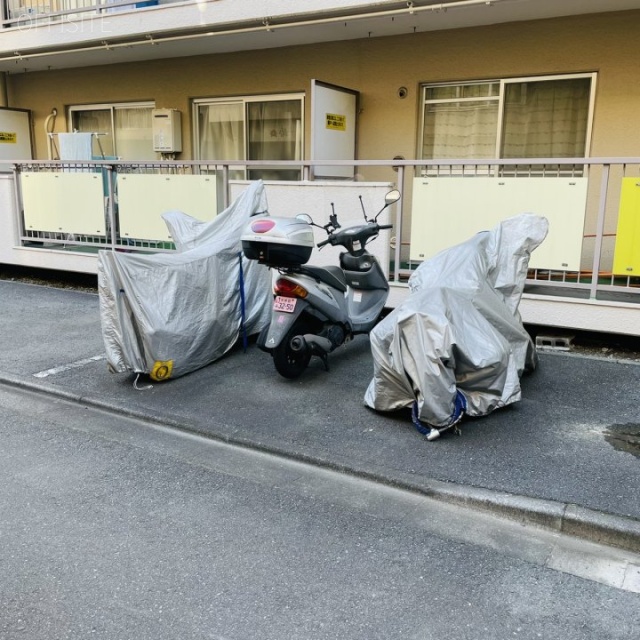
x: 26, y: 13
x: 593, y: 277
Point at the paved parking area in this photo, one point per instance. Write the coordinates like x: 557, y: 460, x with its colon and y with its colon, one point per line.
x: 563, y: 442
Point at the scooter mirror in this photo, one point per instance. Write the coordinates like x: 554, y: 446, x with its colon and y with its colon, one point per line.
x: 304, y: 217
x: 391, y: 197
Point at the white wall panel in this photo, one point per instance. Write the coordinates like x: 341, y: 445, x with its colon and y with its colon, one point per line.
x: 70, y: 203
x: 449, y: 210
x: 143, y: 198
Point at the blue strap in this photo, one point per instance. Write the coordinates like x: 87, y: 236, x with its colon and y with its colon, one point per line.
x: 243, y: 310
x: 459, y: 409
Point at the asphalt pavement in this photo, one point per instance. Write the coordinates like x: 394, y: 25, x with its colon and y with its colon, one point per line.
x: 565, y: 456
x: 112, y: 528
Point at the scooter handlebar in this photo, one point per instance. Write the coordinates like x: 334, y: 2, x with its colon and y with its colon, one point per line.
x: 362, y: 233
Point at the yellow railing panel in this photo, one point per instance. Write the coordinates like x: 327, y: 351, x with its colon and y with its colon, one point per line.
x: 626, y: 258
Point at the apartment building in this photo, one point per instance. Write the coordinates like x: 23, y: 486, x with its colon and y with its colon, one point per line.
x: 457, y: 90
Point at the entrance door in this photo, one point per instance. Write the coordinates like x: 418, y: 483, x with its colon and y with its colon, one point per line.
x: 333, y: 128
x: 15, y: 137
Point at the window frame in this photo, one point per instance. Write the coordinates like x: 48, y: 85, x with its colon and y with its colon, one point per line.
x: 500, y: 98
x: 244, y: 100
x: 111, y: 106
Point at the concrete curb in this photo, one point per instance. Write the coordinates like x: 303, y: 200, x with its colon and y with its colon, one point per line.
x: 568, y: 354
x: 570, y: 519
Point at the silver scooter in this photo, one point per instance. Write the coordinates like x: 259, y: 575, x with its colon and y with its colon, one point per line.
x: 317, y: 309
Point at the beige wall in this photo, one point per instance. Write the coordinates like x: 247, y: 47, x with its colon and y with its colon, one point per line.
x: 605, y: 43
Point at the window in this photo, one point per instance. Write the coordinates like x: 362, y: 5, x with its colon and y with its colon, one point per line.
x: 460, y: 121
x: 251, y: 128
x: 516, y: 118
x: 124, y: 130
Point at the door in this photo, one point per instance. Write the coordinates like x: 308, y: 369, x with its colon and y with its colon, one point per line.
x: 333, y: 128
x: 15, y: 137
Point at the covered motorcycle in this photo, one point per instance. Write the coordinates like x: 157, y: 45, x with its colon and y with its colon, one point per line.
x: 457, y: 343
x: 171, y: 313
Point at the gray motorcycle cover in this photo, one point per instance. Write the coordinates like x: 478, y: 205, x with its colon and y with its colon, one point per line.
x: 168, y: 314
x: 459, y: 330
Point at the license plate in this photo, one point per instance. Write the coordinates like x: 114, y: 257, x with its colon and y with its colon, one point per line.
x: 287, y: 305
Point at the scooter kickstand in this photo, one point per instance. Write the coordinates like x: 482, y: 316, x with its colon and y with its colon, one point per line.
x: 325, y: 360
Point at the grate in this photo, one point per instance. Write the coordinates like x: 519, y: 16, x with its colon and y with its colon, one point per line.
x: 557, y: 343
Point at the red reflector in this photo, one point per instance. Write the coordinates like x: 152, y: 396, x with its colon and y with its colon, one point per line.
x: 262, y: 226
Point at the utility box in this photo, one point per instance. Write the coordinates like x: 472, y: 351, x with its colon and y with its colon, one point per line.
x: 167, y: 130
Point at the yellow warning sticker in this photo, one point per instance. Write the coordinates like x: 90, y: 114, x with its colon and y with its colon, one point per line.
x: 8, y: 137
x: 336, y: 122
x: 161, y: 370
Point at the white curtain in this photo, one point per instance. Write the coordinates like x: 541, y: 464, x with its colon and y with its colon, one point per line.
x: 275, y: 134
x: 274, y: 128
x: 541, y: 119
x: 546, y: 119
x: 221, y: 130
x: 460, y: 129
x: 132, y: 138
x: 133, y: 133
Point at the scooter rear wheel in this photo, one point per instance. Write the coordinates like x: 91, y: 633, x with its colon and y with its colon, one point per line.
x: 289, y: 363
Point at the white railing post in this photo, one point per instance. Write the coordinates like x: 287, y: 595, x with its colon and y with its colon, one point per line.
x: 398, y: 226
x: 111, y: 211
x: 19, y: 230
x: 225, y: 186
x: 597, y: 251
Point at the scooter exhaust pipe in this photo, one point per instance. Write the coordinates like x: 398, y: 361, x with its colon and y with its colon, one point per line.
x: 309, y: 342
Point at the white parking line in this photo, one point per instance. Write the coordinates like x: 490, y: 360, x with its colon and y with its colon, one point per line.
x: 66, y: 367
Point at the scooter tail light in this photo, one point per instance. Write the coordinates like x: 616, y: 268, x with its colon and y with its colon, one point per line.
x: 289, y: 289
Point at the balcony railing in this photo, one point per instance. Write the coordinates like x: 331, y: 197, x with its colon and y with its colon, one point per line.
x: 592, y: 250
x: 26, y: 13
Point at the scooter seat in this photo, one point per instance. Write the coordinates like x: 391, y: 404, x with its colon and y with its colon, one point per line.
x: 331, y: 275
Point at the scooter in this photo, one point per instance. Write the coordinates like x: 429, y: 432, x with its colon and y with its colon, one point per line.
x: 317, y: 309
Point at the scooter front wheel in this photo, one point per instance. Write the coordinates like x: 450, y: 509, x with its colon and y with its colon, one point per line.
x: 290, y: 363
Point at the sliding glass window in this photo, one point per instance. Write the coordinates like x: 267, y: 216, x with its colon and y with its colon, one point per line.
x: 122, y: 131
x: 251, y: 128
x: 541, y: 117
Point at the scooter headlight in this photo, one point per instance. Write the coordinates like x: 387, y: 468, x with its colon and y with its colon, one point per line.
x: 289, y: 289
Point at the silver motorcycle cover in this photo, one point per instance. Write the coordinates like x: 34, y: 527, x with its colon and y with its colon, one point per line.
x: 459, y: 329
x: 168, y: 314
